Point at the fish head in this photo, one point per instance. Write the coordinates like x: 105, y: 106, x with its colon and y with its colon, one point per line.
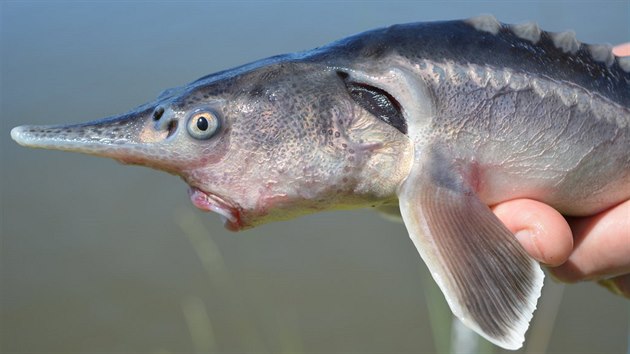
x: 268, y: 141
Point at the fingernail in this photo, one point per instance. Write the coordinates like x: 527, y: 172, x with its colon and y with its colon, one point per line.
x: 526, y: 237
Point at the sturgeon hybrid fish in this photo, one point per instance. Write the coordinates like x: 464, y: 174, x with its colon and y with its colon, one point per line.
x: 433, y: 120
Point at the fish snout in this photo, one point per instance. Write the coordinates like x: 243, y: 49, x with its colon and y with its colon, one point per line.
x: 132, y: 137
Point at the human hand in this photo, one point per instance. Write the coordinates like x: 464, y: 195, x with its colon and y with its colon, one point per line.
x: 590, y: 248
x: 622, y: 50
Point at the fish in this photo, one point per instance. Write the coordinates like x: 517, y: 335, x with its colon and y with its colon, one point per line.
x: 430, y: 122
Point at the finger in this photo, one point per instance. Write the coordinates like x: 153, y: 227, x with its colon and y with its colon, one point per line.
x: 602, y: 246
x: 619, y: 285
x: 622, y: 50
x: 543, y: 232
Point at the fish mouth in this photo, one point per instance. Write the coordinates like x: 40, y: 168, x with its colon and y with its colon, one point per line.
x: 230, y: 214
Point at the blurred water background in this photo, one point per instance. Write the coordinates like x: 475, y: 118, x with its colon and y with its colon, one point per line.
x: 98, y: 257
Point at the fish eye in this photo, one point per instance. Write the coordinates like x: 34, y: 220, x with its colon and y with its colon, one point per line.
x: 202, y: 125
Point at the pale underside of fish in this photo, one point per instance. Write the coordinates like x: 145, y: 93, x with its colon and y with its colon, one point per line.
x: 437, y: 120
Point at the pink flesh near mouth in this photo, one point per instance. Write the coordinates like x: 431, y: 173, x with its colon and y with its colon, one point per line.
x: 230, y: 215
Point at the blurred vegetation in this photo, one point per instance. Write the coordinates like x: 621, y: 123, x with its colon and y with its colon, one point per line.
x: 289, y: 339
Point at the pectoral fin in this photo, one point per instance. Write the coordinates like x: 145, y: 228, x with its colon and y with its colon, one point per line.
x: 488, y: 280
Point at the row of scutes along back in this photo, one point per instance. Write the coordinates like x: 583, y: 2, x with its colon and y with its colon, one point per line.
x: 564, y: 41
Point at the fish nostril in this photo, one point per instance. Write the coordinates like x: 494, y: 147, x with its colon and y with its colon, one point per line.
x: 172, y: 127
x: 157, y: 114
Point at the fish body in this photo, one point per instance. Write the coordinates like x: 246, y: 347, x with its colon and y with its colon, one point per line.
x: 434, y: 120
